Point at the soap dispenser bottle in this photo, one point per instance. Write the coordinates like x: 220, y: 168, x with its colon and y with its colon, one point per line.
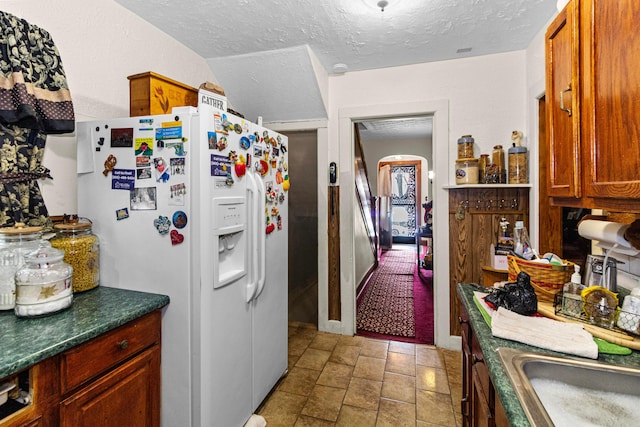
x: 571, y: 294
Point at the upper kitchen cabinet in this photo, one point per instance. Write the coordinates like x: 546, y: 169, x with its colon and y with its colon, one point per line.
x: 563, y: 104
x: 593, y: 88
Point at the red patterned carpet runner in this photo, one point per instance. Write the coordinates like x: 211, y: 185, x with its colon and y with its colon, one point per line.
x: 386, y: 306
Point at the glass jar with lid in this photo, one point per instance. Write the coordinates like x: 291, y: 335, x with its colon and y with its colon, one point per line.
x: 81, y: 250
x: 15, y: 242
x: 43, y: 283
x: 497, y: 158
x: 465, y: 147
x: 467, y: 171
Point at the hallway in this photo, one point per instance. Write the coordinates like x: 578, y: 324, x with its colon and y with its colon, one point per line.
x: 337, y: 380
x: 396, y: 303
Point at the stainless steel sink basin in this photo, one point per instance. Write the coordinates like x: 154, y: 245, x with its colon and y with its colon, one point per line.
x: 564, y: 391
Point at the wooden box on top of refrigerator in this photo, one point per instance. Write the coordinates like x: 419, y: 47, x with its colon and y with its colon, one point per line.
x: 151, y: 93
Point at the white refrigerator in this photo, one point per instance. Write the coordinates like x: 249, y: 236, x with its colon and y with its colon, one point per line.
x: 193, y: 204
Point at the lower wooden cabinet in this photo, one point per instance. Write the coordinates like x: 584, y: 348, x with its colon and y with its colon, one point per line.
x: 111, y: 380
x: 126, y: 396
x: 481, y: 406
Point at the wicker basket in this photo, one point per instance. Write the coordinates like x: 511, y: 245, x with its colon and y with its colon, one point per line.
x: 546, y: 279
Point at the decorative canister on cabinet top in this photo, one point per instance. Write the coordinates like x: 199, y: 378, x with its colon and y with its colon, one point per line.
x: 81, y: 250
x: 465, y: 147
x: 518, y: 165
x: 467, y: 171
x: 43, y: 283
x: 15, y: 242
x: 497, y: 158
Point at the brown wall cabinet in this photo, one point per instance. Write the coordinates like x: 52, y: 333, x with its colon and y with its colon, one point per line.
x: 112, y: 380
x: 592, y: 88
x: 474, y: 223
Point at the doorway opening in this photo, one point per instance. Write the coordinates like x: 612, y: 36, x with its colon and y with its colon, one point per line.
x: 303, y: 227
x: 399, y: 150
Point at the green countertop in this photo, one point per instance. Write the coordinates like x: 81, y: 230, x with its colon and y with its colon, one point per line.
x: 499, y: 378
x: 25, y: 342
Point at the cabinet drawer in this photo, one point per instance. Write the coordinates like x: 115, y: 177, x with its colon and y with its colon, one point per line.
x: 96, y: 356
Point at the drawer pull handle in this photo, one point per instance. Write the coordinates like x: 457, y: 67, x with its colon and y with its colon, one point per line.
x: 475, y: 359
x: 123, y: 344
x: 462, y: 321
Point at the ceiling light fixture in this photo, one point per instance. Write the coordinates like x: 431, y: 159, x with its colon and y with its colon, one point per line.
x: 340, y: 68
x: 382, y: 4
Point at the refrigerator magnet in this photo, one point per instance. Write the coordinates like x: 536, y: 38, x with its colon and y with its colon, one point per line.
x: 143, y: 147
x: 176, y: 237
x: 212, y: 140
x: 222, y: 143
x: 122, y: 214
x: 270, y: 228
x: 121, y: 137
x: 162, y: 224
x: 177, y: 192
x: 162, y: 170
x: 245, y: 143
x: 179, y: 219
x: 177, y: 165
x: 109, y: 164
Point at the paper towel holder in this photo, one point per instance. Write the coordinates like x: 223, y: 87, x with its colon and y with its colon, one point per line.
x: 609, y: 235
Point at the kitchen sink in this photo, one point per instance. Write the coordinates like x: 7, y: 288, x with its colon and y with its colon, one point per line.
x: 566, y: 391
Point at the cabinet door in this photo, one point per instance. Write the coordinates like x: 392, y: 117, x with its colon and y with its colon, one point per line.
x: 127, y: 396
x: 611, y: 90
x: 465, y: 402
x: 563, y: 108
x: 481, y: 410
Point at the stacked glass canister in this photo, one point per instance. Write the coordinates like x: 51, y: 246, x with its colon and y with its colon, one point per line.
x: 43, y: 283
x: 15, y: 243
x: 467, y: 168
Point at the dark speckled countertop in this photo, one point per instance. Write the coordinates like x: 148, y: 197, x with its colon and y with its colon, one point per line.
x: 500, y: 380
x: 25, y: 342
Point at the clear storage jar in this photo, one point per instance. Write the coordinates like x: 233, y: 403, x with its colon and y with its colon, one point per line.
x: 497, y: 158
x: 467, y: 171
x: 518, y: 165
x: 81, y: 250
x: 43, y: 283
x: 15, y: 242
x: 465, y: 147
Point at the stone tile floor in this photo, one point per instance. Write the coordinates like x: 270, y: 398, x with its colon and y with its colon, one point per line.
x: 337, y: 380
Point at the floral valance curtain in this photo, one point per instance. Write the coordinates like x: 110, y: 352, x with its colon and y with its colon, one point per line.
x: 34, y: 101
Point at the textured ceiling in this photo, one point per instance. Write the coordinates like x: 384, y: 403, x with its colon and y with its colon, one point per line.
x: 258, y: 49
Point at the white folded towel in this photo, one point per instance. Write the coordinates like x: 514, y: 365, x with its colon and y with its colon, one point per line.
x: 543, y: 332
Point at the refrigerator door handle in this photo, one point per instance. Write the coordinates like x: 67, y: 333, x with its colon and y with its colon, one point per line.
x: 253, y: 229
x: 262, y: 235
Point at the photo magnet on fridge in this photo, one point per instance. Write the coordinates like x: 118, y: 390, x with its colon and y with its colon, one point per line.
x: 143, y: 199
x: 212, y: 139
x: 122, y: 137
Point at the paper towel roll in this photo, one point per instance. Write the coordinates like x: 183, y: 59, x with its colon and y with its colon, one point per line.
x: 607, y: 233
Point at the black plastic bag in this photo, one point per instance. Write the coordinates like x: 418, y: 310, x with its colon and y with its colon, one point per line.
x: 519, y: 297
